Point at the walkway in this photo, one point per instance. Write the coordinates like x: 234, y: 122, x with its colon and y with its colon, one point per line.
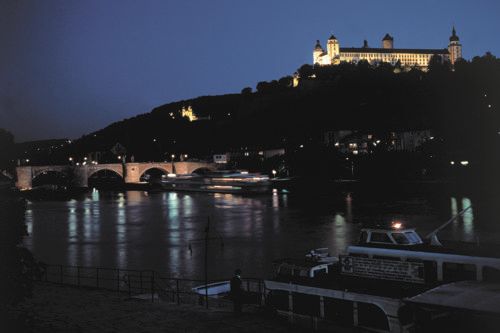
x: 57, y: 308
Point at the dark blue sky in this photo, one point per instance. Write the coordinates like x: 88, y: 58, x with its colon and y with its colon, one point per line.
x: 71, y: 67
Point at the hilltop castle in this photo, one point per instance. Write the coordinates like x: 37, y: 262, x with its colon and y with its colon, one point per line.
x: 387, y: 53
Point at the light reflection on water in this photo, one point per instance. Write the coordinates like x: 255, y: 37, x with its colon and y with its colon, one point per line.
x: 153, y: 231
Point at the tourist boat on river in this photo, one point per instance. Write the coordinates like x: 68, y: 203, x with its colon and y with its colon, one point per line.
x: 218, y: 182
x: 387, y: 282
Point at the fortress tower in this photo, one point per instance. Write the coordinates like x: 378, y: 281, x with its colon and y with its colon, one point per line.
x: 454, y: 48
x: 388, y: 42
x: 333, y: 49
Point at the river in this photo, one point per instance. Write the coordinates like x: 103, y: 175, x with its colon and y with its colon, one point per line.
x: 165, y: 231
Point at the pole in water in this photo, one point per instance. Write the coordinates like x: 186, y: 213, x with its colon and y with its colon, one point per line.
x: 433, y: 235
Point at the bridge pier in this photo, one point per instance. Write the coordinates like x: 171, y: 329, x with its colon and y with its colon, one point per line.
x: 132, y: 173
x: 81, y: 177
x: 24, y: 178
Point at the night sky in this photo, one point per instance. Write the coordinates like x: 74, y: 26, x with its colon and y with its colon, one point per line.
x: 71, y: 67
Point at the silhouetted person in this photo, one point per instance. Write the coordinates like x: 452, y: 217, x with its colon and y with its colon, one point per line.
x: 237, y: 291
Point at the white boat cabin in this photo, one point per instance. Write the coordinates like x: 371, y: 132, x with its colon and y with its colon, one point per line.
x: 393, y: 236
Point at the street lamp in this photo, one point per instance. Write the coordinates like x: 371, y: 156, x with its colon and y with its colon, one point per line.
x: 274, y: 173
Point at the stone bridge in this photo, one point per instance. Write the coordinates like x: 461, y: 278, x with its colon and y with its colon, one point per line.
x: 130, y: 172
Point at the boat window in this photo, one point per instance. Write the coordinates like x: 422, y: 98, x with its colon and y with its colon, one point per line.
x: 413, y: 237
x: 400, y: 238
x: 379, y: 237
x: 458, y: 272
x: 363, y: 237
x: 319, y: 272
x: 491, y: 274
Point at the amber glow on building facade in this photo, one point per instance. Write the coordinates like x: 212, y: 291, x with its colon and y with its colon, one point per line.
x: 335, y: 54
x: 188, y: 113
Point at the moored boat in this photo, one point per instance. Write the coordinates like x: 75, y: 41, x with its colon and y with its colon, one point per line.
x: 375, y: 284
x: 218, y: 182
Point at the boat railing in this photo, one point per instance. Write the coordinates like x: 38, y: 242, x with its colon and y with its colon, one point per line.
x: 144, y: 284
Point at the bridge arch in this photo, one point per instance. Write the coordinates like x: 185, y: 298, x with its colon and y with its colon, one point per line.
x: 105, y: 178
x: 154, y: 171
x: 96, y: 171
x: 202, y: 170
x: 197, y: 167
x: 50, y: 177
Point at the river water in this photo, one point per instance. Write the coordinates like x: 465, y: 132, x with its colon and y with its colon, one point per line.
x: 165, y: 231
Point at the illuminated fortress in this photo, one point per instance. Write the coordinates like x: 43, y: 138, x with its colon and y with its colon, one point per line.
x: 335, y: 54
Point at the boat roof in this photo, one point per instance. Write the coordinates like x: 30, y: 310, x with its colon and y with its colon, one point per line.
x: 449, y: 247
x: 479, y: 297
x: 386, y: 229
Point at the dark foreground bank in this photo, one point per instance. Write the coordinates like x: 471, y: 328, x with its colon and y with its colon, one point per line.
x: 56, y: 308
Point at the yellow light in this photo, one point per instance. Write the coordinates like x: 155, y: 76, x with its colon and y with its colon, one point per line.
x: 397, y: 225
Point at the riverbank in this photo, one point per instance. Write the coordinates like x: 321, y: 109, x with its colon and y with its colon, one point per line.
x: 56, y: 308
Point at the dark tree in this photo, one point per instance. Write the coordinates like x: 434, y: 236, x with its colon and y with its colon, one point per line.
x: 18, y: 267
x: 246, y: 91
x: 6, y: 149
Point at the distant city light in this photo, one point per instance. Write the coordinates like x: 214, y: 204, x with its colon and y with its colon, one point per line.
x: 336, y: 144
x: 355, y: 152
x: 171, y: 175
x: 301, y: 146
x: 173, y: 155
x: 464, y: 163
x: 489, y: 106
x: 154, y: 140
x: 378, y: 141
x: 397, y: 225
x: 27, y: 160
x: 77, y: 163
x: 274, y: 172
x: 119, y: 157
x: 452, y: 162
x: 70, y: 159
x: 431, y: 138
x: 84, y: 158
x: 185, y: 155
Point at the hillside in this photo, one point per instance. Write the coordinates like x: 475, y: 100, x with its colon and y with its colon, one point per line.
x: 460, y: 106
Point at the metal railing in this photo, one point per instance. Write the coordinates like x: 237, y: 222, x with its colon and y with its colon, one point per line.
x: 146, y: 284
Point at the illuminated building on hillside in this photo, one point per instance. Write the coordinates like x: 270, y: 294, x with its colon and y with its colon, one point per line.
x: 188, y: 113
x: 335, y: 54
